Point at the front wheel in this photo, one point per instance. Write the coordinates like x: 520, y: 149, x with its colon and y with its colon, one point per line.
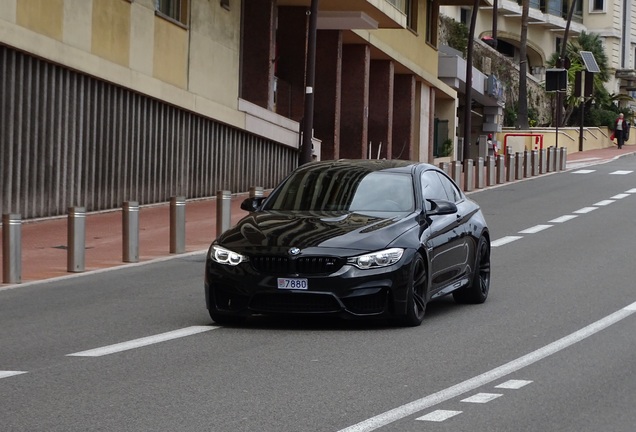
x: 416, y: 301
x: 477, y: 291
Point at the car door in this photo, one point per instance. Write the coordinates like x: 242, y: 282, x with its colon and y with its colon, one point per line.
x: 445, y: 238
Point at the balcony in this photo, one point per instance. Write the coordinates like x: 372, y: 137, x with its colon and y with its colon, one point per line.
x: 551, y: 14
x: 356, y: 14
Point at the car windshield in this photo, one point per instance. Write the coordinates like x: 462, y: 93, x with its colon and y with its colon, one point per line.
x: 348, y: 189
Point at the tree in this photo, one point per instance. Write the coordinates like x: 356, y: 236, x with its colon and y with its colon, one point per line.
x: 522, y: 118
x: 585, y: 42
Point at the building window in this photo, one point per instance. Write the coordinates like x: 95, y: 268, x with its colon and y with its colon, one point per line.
x: 176, y: 10
x: 464, y: 17
x: 597, y: 5
x: 432, y: 18
x: 411, y: 14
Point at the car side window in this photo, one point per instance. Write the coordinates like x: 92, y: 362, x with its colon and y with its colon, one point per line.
x: 432, y: 188
x: 452, y: 191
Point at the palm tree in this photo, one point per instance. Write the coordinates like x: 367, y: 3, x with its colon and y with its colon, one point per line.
x: 585, y: 42
x: 522, y: 118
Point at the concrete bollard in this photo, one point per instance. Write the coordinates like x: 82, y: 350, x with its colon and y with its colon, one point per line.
x: 543, y: 161
x: 456, y: 172
x: 469, y: 175
x: 177, y: 224
x: 11, y: 248
x: 519, y: 166
x: 564, y: 158
x: 501, y: 169
x: 256, y: 191
x: 130, y: 231
x: 479, y: 173
x: 510, y: 167
x: 444, y: 166
x: 535, y: 162
x: 491, y: 172
x: 76, y: 238
x: 223, y: 211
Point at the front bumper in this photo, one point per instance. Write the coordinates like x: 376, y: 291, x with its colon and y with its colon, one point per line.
x: 348, y: 292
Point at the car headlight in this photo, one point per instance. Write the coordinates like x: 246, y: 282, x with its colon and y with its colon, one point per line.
x: 225, y: 256
x: 377, y: 259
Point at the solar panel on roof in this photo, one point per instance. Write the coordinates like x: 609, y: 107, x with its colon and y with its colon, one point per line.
x: 590, y: 62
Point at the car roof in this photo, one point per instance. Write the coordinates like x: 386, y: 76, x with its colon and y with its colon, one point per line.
x: 394, y: 165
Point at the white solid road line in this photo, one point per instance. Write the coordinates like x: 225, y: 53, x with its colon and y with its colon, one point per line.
x: 137, y: 343
x: 7, y: 374
x: 411, y: 408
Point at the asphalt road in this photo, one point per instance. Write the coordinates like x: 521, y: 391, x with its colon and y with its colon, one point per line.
x: 551, y: 350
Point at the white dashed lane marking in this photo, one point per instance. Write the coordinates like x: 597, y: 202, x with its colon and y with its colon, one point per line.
x: 631, y: 191
x: 585, y: 210
x: 620, y: 196
x: 562, y: 219
x: 535, y: 229
x: 482, y: 398
x: 504, y: 240
x: 621, y: 172
x: 137, y: 343
x: 604, y: 202
x: 583, y: 171
x: 7, y: 374
x: 439, y: 415
x: 513, y: 384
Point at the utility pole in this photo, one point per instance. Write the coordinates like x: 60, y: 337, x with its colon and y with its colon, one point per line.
x: 305, y: 154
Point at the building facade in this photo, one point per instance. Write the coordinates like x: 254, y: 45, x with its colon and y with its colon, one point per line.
x: 106, y: 101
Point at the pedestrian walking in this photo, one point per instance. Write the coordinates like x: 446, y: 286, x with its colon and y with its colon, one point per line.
x: 621, y: 129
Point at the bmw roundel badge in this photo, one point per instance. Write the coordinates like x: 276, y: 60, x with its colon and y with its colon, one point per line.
x: 294, y: 251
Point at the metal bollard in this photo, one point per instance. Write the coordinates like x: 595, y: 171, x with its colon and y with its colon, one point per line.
x: 510, y: 165
x: 519, y: 166
x: 543, y: 161
x: 469, y: 175
x: 557, y: 159
x: 11, y: 248
x: 564, y: 158
x: 535, y: 162
x: 177, y: 224
x: 490, y: 171
x: 550, y: 159
x: 76, y: 238
x: 223, y: 211
x: 130, y: 231
x: 527, y: 166
x: 501, y: 169
x: 479, y: 173
x: 456, y: 172
x: 256, y: 191
x: 444, y: 166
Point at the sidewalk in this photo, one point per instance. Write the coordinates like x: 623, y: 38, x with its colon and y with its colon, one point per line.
x: 44, y: 241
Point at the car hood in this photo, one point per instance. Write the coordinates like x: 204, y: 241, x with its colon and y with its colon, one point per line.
x: 338, y: 230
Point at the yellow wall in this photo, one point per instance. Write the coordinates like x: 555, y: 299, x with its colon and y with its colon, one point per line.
x: 111, y: 30
x: 170, y: 53
x: 42, y: 16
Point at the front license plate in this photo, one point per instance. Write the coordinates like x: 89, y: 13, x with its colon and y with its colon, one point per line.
x: 292, y: 283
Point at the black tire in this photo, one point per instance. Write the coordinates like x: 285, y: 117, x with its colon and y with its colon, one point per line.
x: 477, y: 291
x: 416, y: 295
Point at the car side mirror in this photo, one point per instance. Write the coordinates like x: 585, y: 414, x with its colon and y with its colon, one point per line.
x: 252, y: 204
x: 441, y: 207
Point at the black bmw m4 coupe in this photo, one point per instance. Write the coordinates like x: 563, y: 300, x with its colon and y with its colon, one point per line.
x: 351, y: 238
